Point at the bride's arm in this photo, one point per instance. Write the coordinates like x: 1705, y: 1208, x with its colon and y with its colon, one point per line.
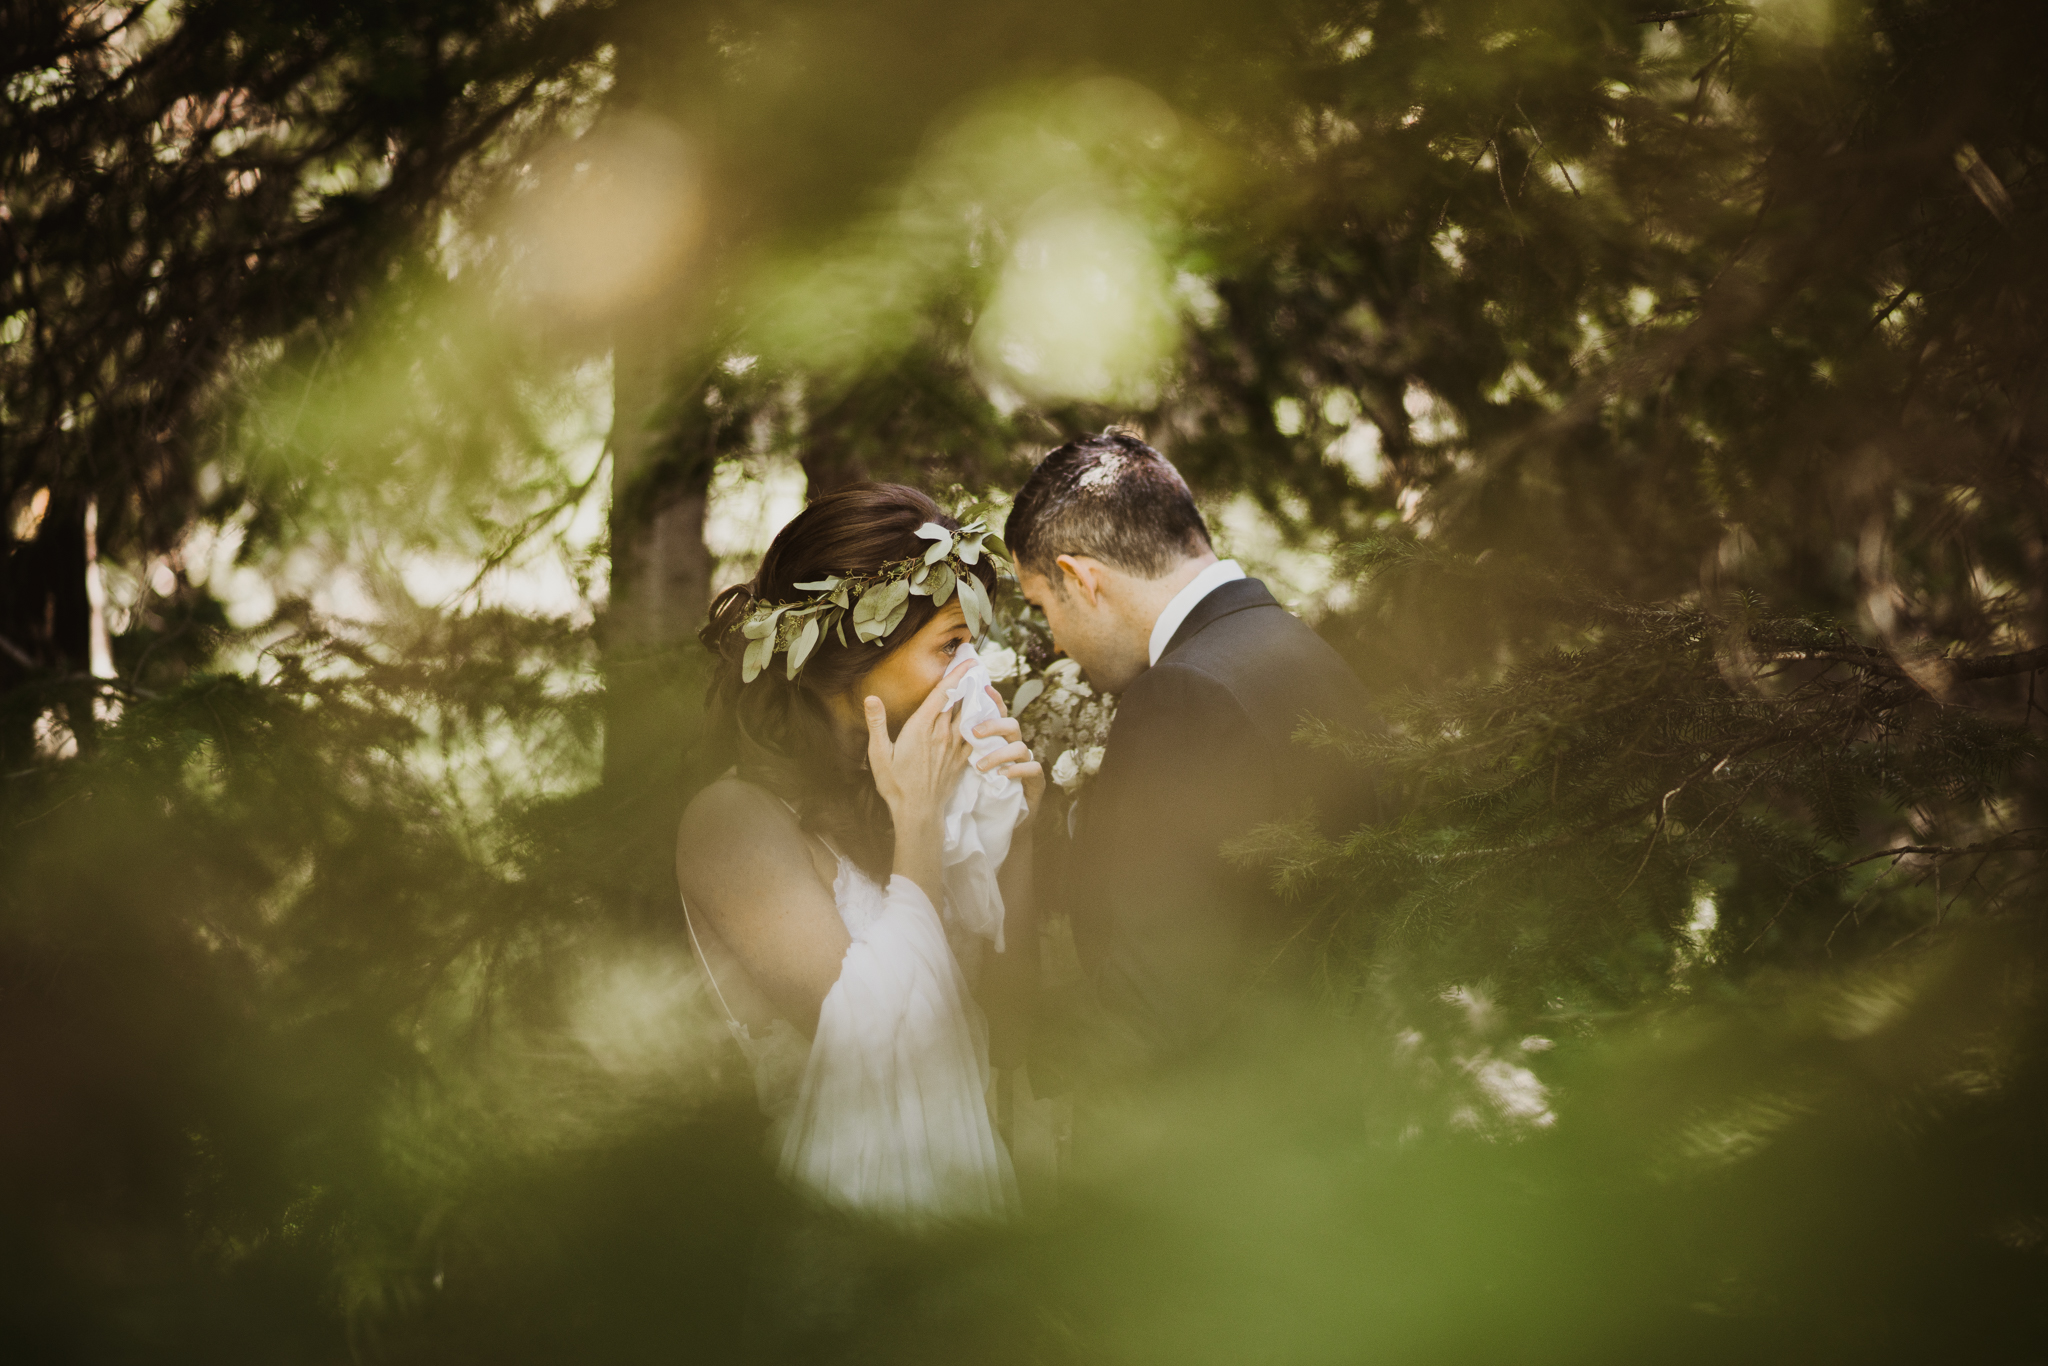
x: 745, y: 871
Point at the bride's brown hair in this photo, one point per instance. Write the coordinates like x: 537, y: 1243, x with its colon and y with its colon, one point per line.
x: 779, y: 732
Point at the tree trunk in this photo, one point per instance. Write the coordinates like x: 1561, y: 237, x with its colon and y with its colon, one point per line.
x: 45, y: 631
x: 661, y: 483
x: 829, y: 462
x: 831, y: 456
x: 661, y: 568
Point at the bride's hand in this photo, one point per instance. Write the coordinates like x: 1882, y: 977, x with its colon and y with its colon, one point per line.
x: 1014, y: 758
x: 917, y: 771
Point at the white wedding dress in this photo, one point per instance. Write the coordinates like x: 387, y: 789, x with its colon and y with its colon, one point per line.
x: 886, y: 1110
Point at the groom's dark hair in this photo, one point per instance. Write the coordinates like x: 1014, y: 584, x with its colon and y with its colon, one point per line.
x: 1111, y: 497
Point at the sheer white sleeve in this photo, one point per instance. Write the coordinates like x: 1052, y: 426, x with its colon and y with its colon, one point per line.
x: 891, y: 1116
x: 982, y: 815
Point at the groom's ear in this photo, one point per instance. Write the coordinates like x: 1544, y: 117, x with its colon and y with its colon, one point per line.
x: 1080, y: 575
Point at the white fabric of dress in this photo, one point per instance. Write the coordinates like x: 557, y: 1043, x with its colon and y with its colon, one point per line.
x: 891, y: 1113
x: 885, y: 1111
x: 982, y: 814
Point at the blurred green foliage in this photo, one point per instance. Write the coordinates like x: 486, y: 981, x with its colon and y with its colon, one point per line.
x: 1658, y: 402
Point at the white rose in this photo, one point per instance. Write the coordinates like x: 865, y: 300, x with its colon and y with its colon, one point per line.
x: 1066, y: 771
x: 1066, y: 674
x: 1000, y: 661
x: 1091, y: 759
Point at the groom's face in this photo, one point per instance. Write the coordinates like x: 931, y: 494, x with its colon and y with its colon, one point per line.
x: 1085, y: 627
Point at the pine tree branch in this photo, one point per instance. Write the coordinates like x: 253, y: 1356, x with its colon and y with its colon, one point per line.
x: 1890, y: 306
x: 1530, y: 124
x: 1697, y: 12
x: 1627, y: 813
x: 1663, y: 809
x: 2004, y: 844
x: 527, y: 528
x: 1961, y: 670
x: 2000, y: 666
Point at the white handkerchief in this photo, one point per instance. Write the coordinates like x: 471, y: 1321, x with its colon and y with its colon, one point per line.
x: 982, y: 814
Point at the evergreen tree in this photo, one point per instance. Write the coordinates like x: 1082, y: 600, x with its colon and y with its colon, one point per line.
x: 1663, y: 387
x: 186, y: 186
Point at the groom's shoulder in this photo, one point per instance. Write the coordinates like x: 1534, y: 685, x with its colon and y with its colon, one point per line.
x: 1274, y: 665
x: 1177, y: 685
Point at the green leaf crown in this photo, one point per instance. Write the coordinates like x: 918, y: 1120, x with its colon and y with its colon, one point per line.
x: 876, y: 602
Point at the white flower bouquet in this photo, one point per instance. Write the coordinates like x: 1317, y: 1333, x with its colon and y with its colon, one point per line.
x: 1064, y: 721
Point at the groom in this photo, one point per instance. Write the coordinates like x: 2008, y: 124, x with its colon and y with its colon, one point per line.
x: 1212, y: 677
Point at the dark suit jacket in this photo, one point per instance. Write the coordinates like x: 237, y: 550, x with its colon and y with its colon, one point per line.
x: 1202, y: 751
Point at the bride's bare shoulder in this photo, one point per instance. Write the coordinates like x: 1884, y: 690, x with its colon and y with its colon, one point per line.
x: 733, y: 819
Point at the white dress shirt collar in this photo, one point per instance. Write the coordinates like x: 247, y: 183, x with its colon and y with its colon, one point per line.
x: 1183, y: 602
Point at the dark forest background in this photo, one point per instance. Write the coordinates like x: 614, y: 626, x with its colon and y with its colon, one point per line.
x: 1648, y: 401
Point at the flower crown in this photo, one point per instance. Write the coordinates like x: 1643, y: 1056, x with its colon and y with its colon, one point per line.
x: 877, y: 601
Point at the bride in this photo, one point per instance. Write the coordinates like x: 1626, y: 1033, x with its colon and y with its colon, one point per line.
x: 821, y: 874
